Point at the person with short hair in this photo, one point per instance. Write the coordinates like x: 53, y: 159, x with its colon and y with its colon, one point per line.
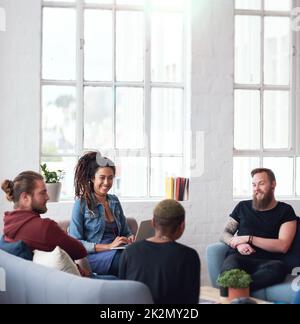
x: 265, y: 231
x: 170, y: 270
x: 29, y: 194
x: 98, y: 220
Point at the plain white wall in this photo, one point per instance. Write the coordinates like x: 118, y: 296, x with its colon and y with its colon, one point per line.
x: 211, y: 114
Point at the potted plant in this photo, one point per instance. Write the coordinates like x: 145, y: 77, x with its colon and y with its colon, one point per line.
x: 237, y: 281
x: 53, y: 184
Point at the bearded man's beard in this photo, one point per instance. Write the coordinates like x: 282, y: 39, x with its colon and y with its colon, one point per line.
x: 37, y: 208
x: 264, y: 203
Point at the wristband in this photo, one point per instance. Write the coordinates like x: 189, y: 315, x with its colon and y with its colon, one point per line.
x: 250, y: 240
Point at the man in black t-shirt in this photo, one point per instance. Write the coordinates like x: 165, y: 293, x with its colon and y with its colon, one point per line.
x: 170, y: 270
x: 265, y: 231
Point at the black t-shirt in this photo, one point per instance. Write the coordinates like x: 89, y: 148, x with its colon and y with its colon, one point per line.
x: 264, y: 224
x: 170, y: 270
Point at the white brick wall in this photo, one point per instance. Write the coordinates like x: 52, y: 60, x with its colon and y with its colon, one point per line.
x: 19, y: 90
x: 212, y: 113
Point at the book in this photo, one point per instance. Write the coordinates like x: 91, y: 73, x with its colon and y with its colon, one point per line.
x: 186, y: 195
x: 169, y: 188
x: 177, y: 188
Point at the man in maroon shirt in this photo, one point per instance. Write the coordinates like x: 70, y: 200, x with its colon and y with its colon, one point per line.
x: 29, y: 194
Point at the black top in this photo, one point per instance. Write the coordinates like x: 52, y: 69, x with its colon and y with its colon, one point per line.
x: 264, y: 224
x: 170, y: 270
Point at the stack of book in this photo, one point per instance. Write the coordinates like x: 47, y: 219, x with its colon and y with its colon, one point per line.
x: 177, y: 188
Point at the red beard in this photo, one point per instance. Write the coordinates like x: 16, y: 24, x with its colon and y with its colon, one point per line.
x: 264, y: 203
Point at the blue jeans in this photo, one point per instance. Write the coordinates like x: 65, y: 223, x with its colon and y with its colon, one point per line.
x: 114, y: 268
x: 264, y: 273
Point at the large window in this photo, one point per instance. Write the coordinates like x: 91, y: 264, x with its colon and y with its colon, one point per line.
x: 266, y: 111
x: 113, y: 79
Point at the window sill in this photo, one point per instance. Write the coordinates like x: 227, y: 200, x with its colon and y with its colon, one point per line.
x: 123, y: 201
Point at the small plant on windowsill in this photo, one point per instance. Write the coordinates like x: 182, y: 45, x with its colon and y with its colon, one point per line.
x: 53, y: 184
x: 237, y: 282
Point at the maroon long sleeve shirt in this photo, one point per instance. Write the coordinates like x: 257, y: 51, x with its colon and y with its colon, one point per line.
x: 40, y: 234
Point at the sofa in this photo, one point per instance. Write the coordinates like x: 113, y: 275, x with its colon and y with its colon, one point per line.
x: 25, y: 282
x: 283, y: 293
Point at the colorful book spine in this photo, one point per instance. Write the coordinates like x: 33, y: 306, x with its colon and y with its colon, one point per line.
x: 169, y: 188
x: 186, y: 195
x: 177, y: 188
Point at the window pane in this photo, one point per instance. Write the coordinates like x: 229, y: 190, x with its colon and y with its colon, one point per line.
x: 67, y: 165
x: 130, y: 118
x: 160, y: 169
x: 131, y: 2
x: 100, y: 1
x: 248, y: 4
x: 242, y: 181
x: 167, y: 47
x: 280, y: 5
x: 276, y: 119
x: 283, y: 169
x: 167, y: 121
x: 131, y: 180
x: 98, y: 118
x: 247, y: 49
x: 277, y: 50
x: 247, y: 120
x: 171, y: 4
x: 130, y: 46
x: 59, y: 44
x: 98, y: 34
x: 59, y: 120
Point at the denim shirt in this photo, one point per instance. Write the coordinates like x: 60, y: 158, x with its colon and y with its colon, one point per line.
x: 88, y: 227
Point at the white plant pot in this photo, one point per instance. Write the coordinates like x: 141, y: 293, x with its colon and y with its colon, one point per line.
x: 53, y: 190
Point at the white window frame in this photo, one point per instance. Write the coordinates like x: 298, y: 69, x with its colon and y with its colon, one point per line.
x: 294, y: 131
x: 147, y: 85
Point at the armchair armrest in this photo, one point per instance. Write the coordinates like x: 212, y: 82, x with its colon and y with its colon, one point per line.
x: 215, y: 255
x: 133, y: 225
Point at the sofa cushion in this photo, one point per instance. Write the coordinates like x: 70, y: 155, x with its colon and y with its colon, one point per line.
x: 18, y: 248
x: 57, y: 259
x: 292, y: 258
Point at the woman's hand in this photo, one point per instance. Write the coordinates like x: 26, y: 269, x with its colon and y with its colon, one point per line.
x: 119, y: 241
x: 245, y: 249
x: 131, y: 239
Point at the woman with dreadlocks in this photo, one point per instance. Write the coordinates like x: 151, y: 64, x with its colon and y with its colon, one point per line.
x: 98, y: 221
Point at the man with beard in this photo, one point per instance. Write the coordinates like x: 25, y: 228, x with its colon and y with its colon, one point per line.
x: 265, y: 231
x: 29, y: 194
